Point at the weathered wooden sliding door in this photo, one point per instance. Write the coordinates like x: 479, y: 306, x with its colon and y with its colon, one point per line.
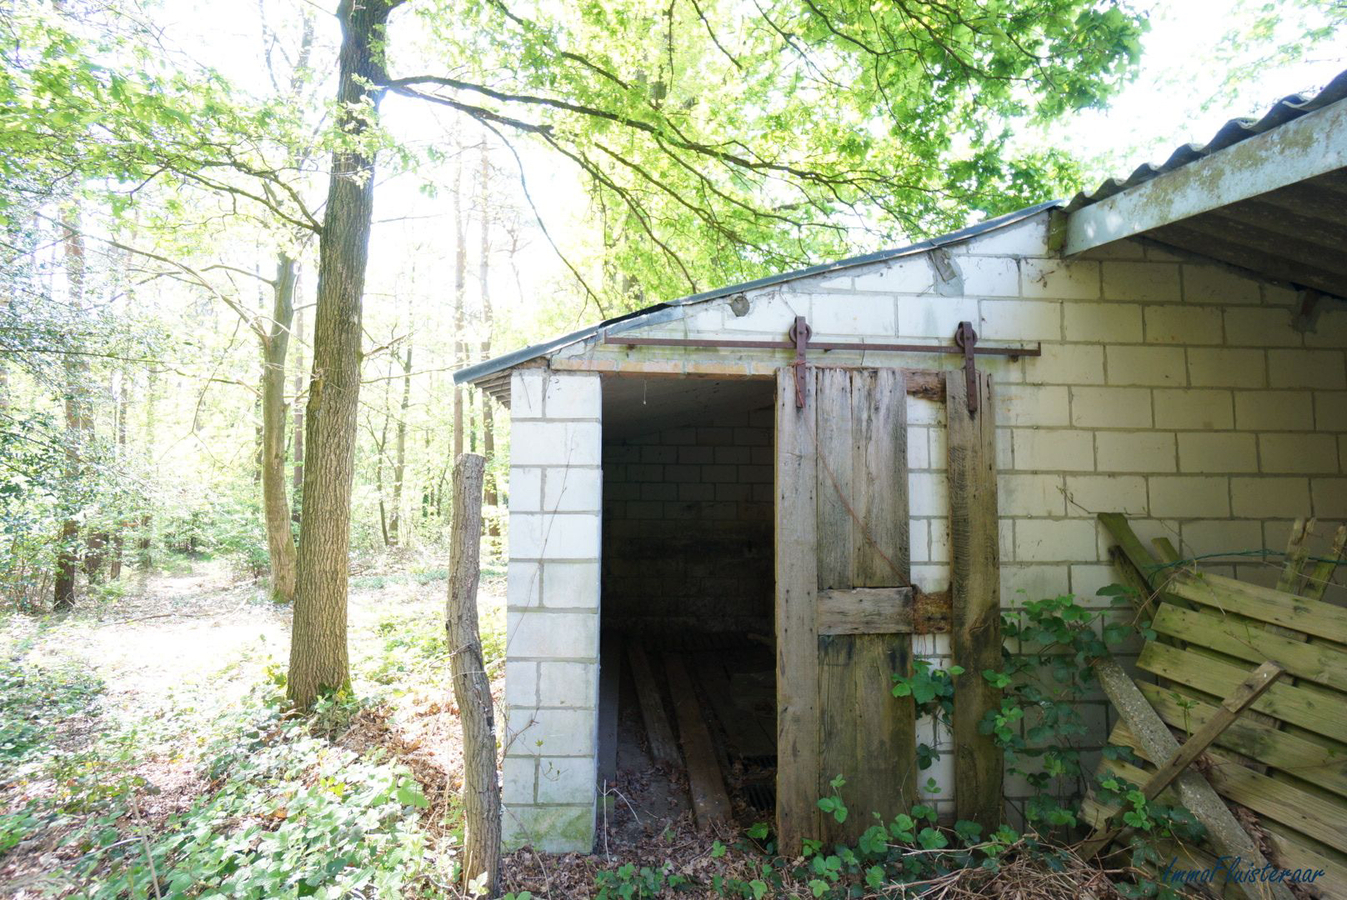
x: 843, y: 601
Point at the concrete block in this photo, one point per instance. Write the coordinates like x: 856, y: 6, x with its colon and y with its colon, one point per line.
x: 1266, y: 497
x: 570, y: 585
x: 905, y: 275
x: 1274, y: 411
x: 549, y: 829
x: 1330, y: 499
x: 1020, y: 583
x: 1260, y: 327
x: 1066, y: 364
x: 1021, y: 320
x: 1031, y: 495
x: 568, y: 684
x: 1160, y: 366
x: 559, y: 536
x: 566, y: 779
x: 1330, y: 411
x: 1040, y: 540
x: 1136, y: 452
x: 526, y: 394
x: 573, y: 395
x: 1113, y: 323
x: 1221, y: 536
x: 525, y: 489
x: 1189, y: 496
x: 1218, y: 451
x: 523, y: 584
x: 1110, y: 407
x: 1088, y: 578
x: 1183, y: 324
x: 1221, y: 367
x: 928, y: 494
x: 542, y: 634
x: 1053, y: 451
x: 1094, y: 494
x: 1309, y: 454
x: 521, y: 683
x: 857, y: 314
x: 769, y: 312
x: 989, y: 276
x: 1030, y: 405
x: 546, y: 442
x: 1216, y: 284
x: 1184, y: 408
x: 1320, y: 369
x: 518, y: 779
x: 1150, y: 282
x: 931, y: 316
x: 1060, y: 279
x: 572, y: 489
x: 1026, y: 238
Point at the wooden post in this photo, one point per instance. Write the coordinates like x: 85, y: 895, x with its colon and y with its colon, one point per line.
x: 975, y: 584
x: 472, y: 689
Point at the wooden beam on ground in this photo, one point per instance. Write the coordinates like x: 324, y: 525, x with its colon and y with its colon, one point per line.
x: 1249, y: 690
x: 1223, y: 829
x: 975, y: 586
x: 663, y: 748
x: 710, y: 802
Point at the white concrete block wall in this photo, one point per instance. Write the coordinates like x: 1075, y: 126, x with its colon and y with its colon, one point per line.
x: 552, y: 626
x: 1171, y: 389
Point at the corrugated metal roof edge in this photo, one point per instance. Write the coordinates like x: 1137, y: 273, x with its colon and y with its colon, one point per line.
x: 1232, y: 132
x: 470, y: 374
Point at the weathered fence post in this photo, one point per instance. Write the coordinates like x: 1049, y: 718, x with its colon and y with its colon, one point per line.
x: 472, y: 689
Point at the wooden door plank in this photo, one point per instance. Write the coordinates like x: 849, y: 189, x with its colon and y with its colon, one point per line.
x: 796, y: 569
x: 1264, y: 743
x: 975, y: 577
x: 866, y: 611
x: 1319, y: 663
x: 706, y: 784
x: 880, y: 492
x: 1313, y: 617
x: 1290, y: 703
x: 662, y: 745
x: 836, y: 493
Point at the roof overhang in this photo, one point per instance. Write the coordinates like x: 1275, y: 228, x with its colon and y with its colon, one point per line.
x: 1271, y: 201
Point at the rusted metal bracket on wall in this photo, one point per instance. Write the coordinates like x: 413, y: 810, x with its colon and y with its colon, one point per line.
x: 965, y: 345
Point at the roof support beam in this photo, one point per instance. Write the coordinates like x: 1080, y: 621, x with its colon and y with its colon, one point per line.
x: 1300, y: 149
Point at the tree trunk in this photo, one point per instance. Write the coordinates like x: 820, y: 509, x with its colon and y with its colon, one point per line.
x: 460, y: 276
x: 400, y: 449
x: 77, y: 426
x: 275, y: 504
x: 119, y: 532
x: 318, y: 653
x: 490, y: 497
x: 472, y: 689
x: 297, y: 481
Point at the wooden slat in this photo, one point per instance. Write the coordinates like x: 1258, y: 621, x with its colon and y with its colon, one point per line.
x: 796, y: 567
x: 975, y: 586
x: 1307, y: 813
x: 1286, y: 752
x: 706, y: 784
x: 1223, y: 717
x: 1313, y: 617
x: 1320, y: 663
x: 1297, y: 555
x: 1223, y: 830
x: 879, y: 490
x: 1286, y: 702
x: 662, y: 745
x: 1319, y: 576
x: 865, y: 611
x: 834, y: 488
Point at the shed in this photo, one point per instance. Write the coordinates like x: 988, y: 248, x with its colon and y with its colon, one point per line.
x: 742, y: 511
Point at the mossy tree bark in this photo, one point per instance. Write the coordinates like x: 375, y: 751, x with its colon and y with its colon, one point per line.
x: 318, y: 653
x: 77, y: 422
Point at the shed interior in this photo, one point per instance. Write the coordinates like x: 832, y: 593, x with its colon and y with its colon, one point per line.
x: 687, y: 623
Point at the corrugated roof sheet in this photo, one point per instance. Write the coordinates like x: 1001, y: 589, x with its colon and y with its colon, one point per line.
x: 1232, y: 132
